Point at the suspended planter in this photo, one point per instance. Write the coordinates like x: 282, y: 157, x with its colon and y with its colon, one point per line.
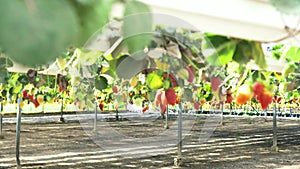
x: 287, y: 6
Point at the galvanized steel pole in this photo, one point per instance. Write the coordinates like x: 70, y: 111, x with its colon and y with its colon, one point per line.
x: 18, y: 131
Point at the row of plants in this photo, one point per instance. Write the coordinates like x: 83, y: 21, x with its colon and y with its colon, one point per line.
x: 167, y: 67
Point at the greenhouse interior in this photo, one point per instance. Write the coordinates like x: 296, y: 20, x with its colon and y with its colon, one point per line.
x: 150, y: 84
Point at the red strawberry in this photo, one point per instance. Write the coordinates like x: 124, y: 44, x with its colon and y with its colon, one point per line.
x: 258, y: 88
x: 277, y: 99
x: 30, y: 97
x: 215, y: 83
x: 25, y: 93
x: 266, y: 99
x: 228, y: 97
x: 36, y: 103
x: 145, y: 109
x: 197, y: 105
x: 101, y: 106
x: 171, y: 96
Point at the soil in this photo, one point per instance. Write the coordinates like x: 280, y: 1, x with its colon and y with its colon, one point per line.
x: 240, y: 143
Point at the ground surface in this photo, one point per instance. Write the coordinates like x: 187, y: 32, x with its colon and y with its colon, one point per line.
x: 240, y: 143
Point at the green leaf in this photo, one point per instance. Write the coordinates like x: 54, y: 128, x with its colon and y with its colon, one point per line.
x: 17, y: 89
x: 293, y: 54
x: 258, y: 55
x: 214, y: 41
x: 257, y: 75
x: 5, y: 63
x: 101, y: 83
x: 137, y: 26
x: 129, y: 67
x: 92, y: 15
x: 243, y: 52
x: 187, y: 95
x: 289, y: 68
x: 223, y: 54
x: 3, y: 74
x: 114, y: 63
x: 36, y: 32
x: 119, y: 98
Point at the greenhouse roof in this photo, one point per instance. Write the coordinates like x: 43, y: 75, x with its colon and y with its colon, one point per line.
x: 255, y: 20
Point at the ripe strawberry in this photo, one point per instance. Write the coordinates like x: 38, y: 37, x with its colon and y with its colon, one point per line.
x: 101, y: 105
x: 36, y: 103
x: 197, y: 105
x: 258, y: 88
x: 24, y: 93
x: 228, y: 96
x: 171, y: 96
x: 277, y: 99
x: 266, y: 99
x: 244, y: 94
x: 30, y: 97
x: 215, y: 83
x: 145, y: 109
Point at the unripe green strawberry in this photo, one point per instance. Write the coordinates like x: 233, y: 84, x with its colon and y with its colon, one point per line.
x: 183, y: 74
x: 154, y: 81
